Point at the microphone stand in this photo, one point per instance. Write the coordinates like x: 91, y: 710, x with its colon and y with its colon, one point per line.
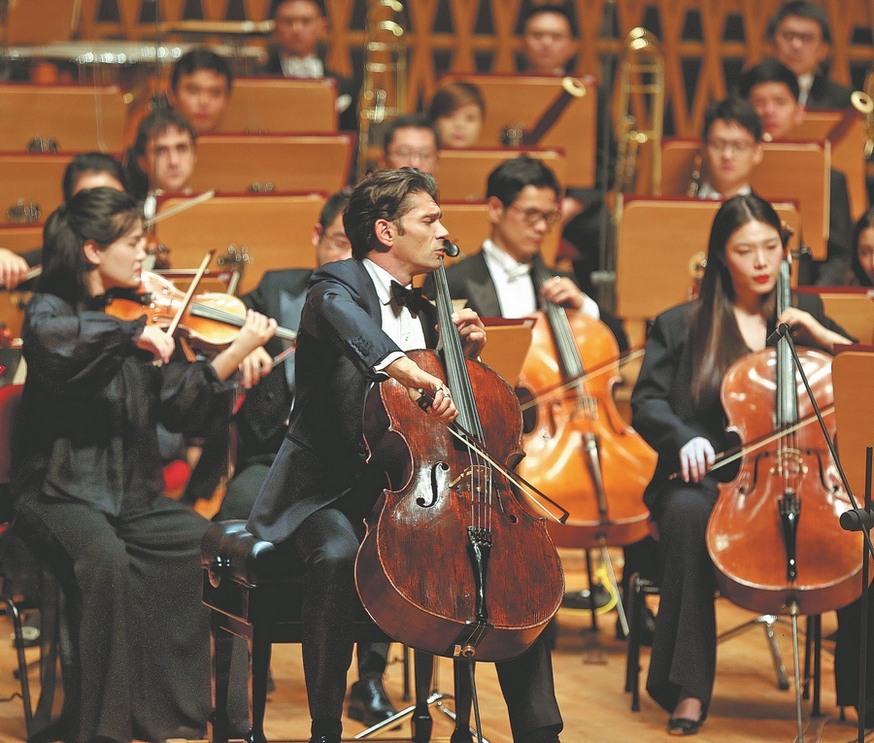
x: 856, y: 519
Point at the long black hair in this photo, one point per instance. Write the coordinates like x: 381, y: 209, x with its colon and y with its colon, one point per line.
x: 99, y: 214
x: 866, y: 221
x: 715, y: 336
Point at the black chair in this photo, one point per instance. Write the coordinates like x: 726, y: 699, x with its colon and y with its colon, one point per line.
x: 255, y: 591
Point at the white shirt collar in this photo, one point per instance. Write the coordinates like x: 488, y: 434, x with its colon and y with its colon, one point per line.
x: 499, y: 259
x: 382, y: 280
x: 707, y: 192
x: 303, y: 67
x: 805, y: 83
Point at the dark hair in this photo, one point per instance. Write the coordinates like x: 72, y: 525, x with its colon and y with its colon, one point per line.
x: 335, y: 204
x: 277, y: 4
x: 201, y: 58
x: 157, y: 123
x: 769, y: 70
x: 736, y: 110
x: 452, y: 96
x: 383, y: 194
x: 91, y: 162
x: 409, y: 121
x: 801, y: 9
x: 557, y: 8
x: 866, y: 221
x: 99, y: 214
x: 715, y: 337
x: 511, y: 176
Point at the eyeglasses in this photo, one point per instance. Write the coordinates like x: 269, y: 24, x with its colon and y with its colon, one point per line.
x: 408, y: 156
x: 532, y: 216
x: 338, y: 241
x: 732, y: 148
x: 807, y: 39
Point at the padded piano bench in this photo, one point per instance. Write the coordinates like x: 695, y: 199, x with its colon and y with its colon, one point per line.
x: 255, y: 591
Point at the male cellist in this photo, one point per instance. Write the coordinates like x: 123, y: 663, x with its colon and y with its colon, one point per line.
x: 353, y: 333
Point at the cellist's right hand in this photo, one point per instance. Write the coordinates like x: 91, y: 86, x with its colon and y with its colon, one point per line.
x: 696, y: 458
x: 410, y: 375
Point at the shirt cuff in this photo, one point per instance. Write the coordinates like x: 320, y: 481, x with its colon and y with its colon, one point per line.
x: 590, y: 307
x: 380, y: 367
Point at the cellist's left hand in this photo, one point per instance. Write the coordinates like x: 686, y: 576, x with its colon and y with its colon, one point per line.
x: 561, y: 290
x: 472, y: 331
x: 808, y: 331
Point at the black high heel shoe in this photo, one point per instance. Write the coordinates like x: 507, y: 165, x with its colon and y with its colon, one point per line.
x: 684, y: 726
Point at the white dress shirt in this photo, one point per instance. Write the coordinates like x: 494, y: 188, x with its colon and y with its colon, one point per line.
x: 310, y: 67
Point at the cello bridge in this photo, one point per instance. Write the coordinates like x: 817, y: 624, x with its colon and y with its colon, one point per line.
x: 478, y: 474
x: 789, y: 462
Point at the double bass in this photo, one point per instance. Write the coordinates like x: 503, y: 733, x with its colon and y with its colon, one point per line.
x: 452, y: 563
x: 579, y: 449
x: 774, y: 534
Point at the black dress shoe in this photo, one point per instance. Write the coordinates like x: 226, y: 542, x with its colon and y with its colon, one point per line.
x: 684, y: 726
x: 368, y: 702
x: 325, y: 739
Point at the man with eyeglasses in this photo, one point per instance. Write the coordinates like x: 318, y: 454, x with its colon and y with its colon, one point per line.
x: 732, y: 137
x: 801, y: 36
x: 411, y: 141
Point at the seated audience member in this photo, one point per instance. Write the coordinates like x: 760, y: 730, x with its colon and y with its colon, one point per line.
x: 300, y: 27
x: 772, y: 90
x: 86, y: 170
x: 88, y: 484
x: 457, y: 111
x: 801, y: 37
x: 200, y: 88
x: 732, y: 135
x: 163, y: 156
x: 411, y: 141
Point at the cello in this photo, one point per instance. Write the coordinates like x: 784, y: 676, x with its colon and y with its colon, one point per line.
x: 579, y: 449
x: 786, y: 499
x: 452, y: 563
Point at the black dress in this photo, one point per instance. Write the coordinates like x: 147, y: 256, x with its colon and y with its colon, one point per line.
x: 89, y: 487
x: 683, y: 660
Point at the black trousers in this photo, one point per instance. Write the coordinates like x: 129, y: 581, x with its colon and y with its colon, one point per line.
x: 140, y: 630
x: 327, y: 542
x: 683, y: 661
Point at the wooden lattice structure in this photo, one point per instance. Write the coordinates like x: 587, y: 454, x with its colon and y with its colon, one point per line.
x: 705, y: 41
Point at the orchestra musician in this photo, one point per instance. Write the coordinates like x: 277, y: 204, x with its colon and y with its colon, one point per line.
x: 862, y: 265
x: 353, y: 333
x: 457, y: 111
x: 801, y: 37
x: 200, y: 88
x: 676, y: 408
x: 772, y: 90
x: 411, y: 141
x: 88, y: 483
x: 300, y: 28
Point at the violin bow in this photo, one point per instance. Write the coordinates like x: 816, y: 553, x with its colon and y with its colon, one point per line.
x: 189, y: 295
x: 180, y: 207
x: 531, y: 494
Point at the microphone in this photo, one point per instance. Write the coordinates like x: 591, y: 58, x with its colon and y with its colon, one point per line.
x: 857, y: 519
x: 451, y: 249
x: 781, y: 331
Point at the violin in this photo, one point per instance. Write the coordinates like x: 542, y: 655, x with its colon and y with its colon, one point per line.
x: 774, y: 534
x: 452, y: 563
x: 211, y: 322
x: 579, y: 449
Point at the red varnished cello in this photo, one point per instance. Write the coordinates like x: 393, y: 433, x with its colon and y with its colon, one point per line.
x: 580, y: 450
x: 774, y: 534
x: 452, y: 563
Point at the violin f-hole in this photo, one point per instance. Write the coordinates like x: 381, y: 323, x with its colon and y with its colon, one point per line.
x: 436, y: 482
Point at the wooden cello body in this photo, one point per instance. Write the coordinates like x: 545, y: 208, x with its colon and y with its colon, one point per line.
x: 774, y: 534
x: 452, y: 563
x: 579, y: 449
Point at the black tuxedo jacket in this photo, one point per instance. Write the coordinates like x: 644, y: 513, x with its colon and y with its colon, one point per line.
x: 323, y: 455
x: 826, y: 93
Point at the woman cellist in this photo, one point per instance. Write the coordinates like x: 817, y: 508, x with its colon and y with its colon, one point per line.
x: 88, y: 481
x: 676, y: 408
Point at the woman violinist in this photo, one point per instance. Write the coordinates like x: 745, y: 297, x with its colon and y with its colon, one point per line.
x: 88, y: 480
x: 676, y: 408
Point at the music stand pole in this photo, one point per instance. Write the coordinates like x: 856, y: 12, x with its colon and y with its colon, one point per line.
x: 856, y: 519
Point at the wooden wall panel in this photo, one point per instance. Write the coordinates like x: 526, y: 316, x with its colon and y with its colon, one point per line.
x: 700, y: 38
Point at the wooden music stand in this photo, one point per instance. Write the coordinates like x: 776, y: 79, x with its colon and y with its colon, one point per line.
x: 846, y: 132
x: 468, y: 227
x: 507, y: 346
x: 574, y: 132
x: 31, y: 178
x: 294, y: 162
x: 275, y: 228
x: 21, y: 238
x: 282, y: 105
x: 850, y: 307
x: 852, y: 372
x: 79, y: 118
x: 41, y: 21
x: 661, y: 242
x: 462, y: 174
x: 787, y: 173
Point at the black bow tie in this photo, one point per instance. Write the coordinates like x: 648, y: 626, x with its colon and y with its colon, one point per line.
x: 412, y: 299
